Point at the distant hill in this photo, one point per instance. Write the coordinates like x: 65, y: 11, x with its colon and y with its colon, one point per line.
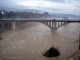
x: 39, y: 11
x: 21, y: 10
x: 65, y: 15
x: 53, y: 14
x: 31, y: 10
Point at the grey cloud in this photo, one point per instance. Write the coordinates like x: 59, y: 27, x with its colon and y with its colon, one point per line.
x: 7, y: 3
x: 61, y: 1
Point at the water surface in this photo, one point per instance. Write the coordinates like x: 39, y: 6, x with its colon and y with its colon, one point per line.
x: 31, y: 42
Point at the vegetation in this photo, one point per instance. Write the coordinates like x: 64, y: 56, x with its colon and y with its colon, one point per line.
x: 24, y: 14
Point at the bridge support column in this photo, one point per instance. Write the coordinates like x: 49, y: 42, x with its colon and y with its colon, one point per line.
x: 1, y: 29
x: 1, y: 23
x: 13, y: 25
x: 50, y: 23
x: 54, y: 25
x: 58, y: 24
x: 61, y: 23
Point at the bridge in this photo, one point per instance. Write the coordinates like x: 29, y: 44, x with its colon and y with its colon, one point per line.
x: 52, y: 24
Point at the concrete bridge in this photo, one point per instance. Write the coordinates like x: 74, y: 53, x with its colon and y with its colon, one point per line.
x: 52, y: 24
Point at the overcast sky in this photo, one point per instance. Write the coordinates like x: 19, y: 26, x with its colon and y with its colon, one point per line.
x: 53, y: 6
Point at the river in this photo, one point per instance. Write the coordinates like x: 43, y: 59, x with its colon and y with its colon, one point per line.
x: 31, y: 42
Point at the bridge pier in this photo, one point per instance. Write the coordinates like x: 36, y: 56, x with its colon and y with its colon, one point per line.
x: 58, y: 24
x: 50, y: 23
x: 54, y: 25
x: 13, y: 25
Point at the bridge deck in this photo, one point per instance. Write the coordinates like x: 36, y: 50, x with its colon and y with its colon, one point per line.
x: 38, y: 20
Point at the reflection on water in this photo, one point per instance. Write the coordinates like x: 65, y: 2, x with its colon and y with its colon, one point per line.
x: 31, y: 42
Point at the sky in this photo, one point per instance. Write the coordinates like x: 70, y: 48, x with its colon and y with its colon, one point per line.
x: 52, y: 6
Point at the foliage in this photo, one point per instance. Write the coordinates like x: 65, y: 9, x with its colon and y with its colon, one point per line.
x: 24, y: 14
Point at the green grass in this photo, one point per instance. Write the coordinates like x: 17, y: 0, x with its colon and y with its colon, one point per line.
x: 75, y: 56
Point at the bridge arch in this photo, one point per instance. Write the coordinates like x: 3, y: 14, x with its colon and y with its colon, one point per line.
x: 52, y: 24
x: 48, y: 24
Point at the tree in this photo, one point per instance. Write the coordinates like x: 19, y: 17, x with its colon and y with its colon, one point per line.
x: 10, y: 14
x: 46, y: 14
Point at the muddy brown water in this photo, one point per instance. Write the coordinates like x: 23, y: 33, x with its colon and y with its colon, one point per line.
x: 31, y: 42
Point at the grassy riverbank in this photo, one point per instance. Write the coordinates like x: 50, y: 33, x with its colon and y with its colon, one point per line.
x: 75, y: 56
